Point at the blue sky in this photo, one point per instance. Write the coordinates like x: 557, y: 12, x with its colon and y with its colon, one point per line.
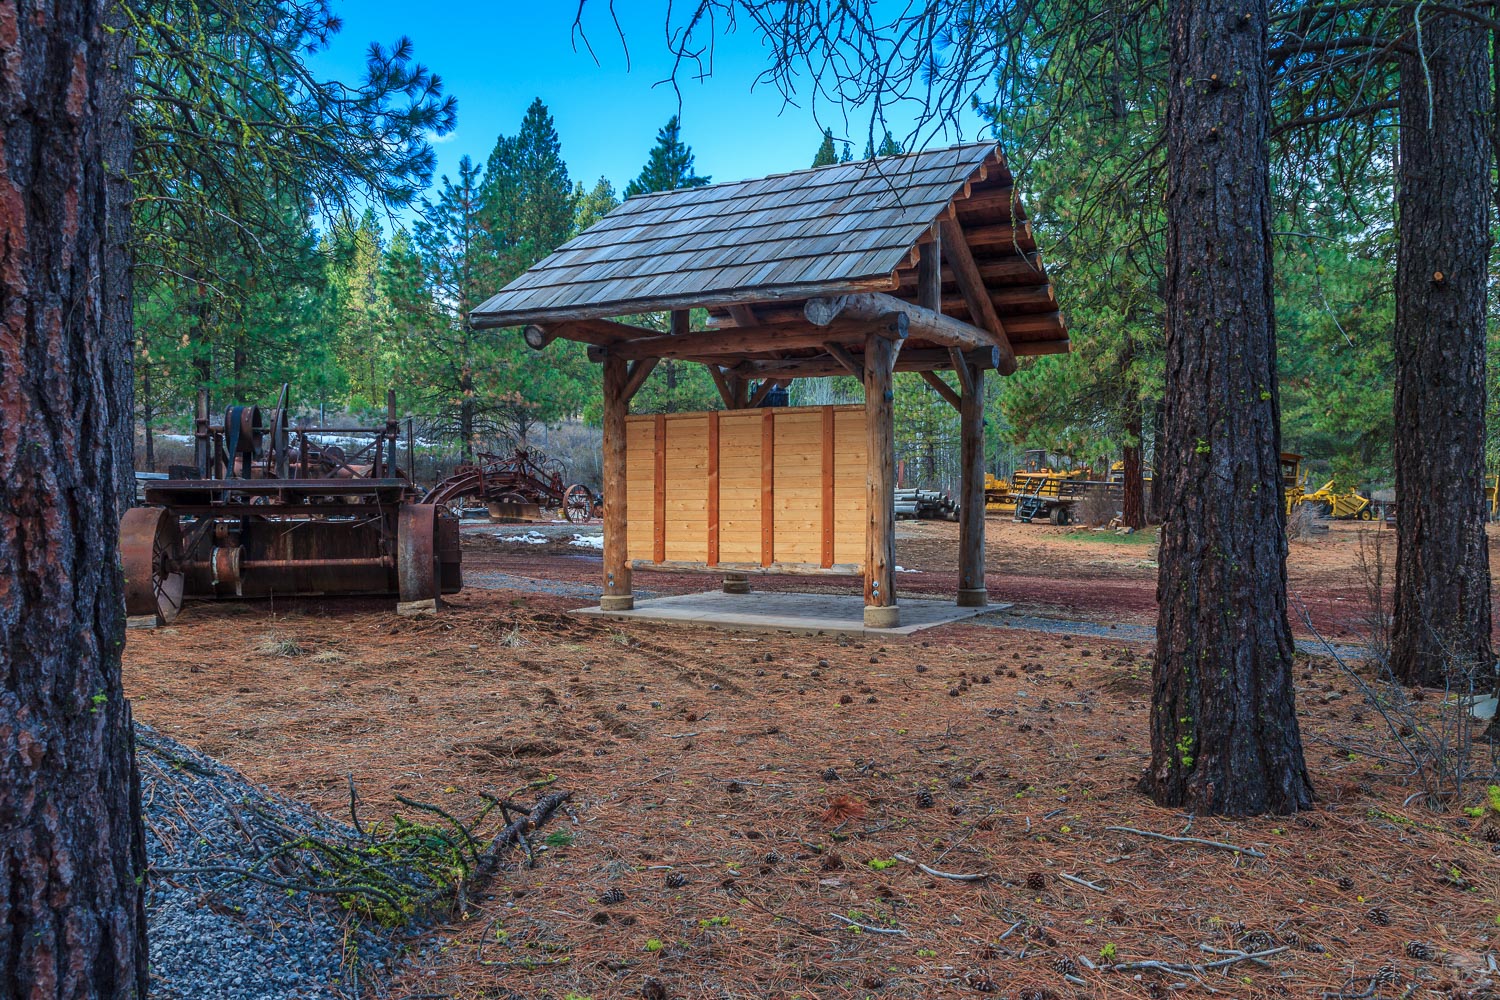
x: 495, y: 58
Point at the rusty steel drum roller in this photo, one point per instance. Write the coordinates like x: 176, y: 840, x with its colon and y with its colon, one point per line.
x: 418, y: 569
x: 151, y: 554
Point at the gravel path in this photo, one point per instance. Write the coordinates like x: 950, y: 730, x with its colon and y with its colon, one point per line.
x: 1131, y: 633
x: 220, y: 936
x: 495, y: 580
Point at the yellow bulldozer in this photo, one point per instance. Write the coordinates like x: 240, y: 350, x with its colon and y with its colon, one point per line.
x: 1347, y: 506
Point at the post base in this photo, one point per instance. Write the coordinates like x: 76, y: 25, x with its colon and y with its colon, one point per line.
x: 424, y: 606
x: 617, y: 602
x: 736, y: 584
x: 973, y: 598
x: 888, y: 616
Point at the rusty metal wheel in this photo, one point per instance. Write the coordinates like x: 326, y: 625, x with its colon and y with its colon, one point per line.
x: 578, y: 503
x: 151, y: 553
x: 417, y: 569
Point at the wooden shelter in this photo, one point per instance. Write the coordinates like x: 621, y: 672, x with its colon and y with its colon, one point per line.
x: 923, y: 262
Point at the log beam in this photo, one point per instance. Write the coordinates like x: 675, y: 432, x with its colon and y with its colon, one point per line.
x: 601, y: 332
x: 617, y: 573
x: 976, y: 296
x: 880, y: 486
x: 926, y: 359
x: 924, y: 324
x: 732, y: 341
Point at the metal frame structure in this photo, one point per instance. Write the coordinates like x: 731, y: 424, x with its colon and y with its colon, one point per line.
x: 274, y: 513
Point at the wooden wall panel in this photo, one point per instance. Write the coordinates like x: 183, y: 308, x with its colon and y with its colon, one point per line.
x: 849, y: 486
x: 739, y: 486
x: 807, y: 461
x: 640, y: 475
x: 687, y: 488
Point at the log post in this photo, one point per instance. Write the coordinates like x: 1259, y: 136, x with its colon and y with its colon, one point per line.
x: 880, y: 486
x: 971, y: 588
x: 617, y: 595
x: 737, y: 398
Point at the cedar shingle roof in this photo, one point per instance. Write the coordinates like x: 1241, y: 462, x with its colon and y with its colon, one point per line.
x: 831, y: 230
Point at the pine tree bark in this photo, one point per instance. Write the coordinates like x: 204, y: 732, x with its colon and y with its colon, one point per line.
x: 1440, y: 628
x: 1224, y: 736
x: 72, y: 859
x: 1156, y: 496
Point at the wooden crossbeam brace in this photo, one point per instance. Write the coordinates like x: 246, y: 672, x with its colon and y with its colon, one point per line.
x: 841, y: 354
x: 726, y: 392
x: 764, y: 389
x: 945, y: 390
x: 636, y: 377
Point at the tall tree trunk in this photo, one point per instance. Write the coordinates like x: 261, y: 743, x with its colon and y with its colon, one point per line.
x: 466, y: 414
x: 1224, y: 735
x: 72, y: 860
x: 1156, y: 496
x: 1133, y: 500
x: 1441, y: 623
x: 148, y: 414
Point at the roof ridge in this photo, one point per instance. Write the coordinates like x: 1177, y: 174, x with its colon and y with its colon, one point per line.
x: 813, y: 170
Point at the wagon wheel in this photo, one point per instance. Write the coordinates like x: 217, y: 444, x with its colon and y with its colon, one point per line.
x: 151, y: 553
x: 578, y: 503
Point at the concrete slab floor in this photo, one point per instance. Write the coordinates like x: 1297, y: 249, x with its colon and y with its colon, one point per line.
x: 799, y: 614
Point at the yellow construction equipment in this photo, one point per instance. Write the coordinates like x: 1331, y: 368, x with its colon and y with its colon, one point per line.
x: 1348, y: 506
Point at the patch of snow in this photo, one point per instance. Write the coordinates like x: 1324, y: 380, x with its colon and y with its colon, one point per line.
x: 530, y: 538
x: 588, y: 542
x: 903, y: 569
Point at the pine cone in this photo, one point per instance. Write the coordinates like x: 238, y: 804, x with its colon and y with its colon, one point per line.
x: 610, y: 897
x: 1065, y: 965
x: 1346, y: 883
x: 1378, y: 917
x: 676, y: 880
x: 1036, y: 881
x: 980, y: 983
x: 924, y: 799
x: 1492, y: 834
x: 652, y: 989
x: 1420, y: 951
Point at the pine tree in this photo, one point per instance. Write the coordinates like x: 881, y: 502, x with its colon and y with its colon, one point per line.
x: 1224, y: 732
x: 72, y: 896
x: 591, y: 206
x: 669, y: 166
x: 526, y: 202
x: 826, y: 154
x: 1441, y: 626
x: 448, y: 269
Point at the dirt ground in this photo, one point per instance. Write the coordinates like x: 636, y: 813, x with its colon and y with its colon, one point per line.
x: 736, y: 795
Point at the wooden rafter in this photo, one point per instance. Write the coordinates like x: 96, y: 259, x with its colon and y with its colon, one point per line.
x: 976, y: 296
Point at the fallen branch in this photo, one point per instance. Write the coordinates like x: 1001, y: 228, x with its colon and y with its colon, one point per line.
x: 1081, y: 881
x: 954, y: 876
x: 515, y: 831
x: 1199, y: 841
x: 867, y: 927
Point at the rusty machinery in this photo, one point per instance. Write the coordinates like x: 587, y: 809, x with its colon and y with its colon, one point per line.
x: 523, y: 479
x: 272, y: 511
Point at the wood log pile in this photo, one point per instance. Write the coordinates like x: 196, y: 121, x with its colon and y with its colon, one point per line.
x: 925, y: 505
